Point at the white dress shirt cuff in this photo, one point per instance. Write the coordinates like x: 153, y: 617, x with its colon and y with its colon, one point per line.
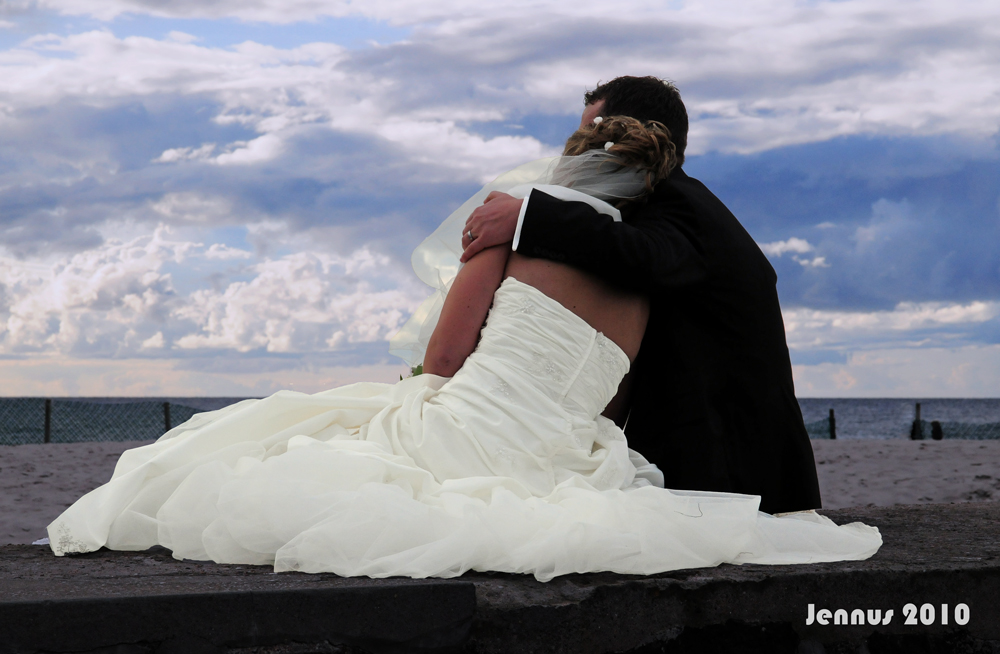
x: 520, y: 221
x: 559, y: 193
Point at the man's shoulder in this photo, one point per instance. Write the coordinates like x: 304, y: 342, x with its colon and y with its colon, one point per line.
x: 688, y: 205
x: 681, y: 196
x: 682, y: 184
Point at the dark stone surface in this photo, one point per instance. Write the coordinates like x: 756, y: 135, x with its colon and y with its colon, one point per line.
x: 146, y: 602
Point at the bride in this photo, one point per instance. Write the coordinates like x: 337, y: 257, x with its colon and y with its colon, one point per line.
x: 496, y: 458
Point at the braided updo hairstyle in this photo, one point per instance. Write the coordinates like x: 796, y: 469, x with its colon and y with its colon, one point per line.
x: 645, y: 145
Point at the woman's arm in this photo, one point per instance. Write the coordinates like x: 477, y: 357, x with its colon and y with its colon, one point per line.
x: 464, y: 311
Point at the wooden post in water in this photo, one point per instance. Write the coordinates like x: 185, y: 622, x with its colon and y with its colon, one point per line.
x: 916, y: 431
x: 166, y: 417
x: 936, y: 432
x: 48, y: 421
x: 833, y: 426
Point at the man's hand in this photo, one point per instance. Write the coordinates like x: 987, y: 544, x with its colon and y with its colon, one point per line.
x: 494, y: 223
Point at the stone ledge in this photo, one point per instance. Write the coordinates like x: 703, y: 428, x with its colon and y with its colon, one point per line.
x: 429, y: 617
x: 148, y: 602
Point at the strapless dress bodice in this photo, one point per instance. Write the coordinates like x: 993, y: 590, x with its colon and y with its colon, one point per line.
x: 550, y: 350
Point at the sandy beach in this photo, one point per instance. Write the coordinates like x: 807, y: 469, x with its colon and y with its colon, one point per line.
x: 38, y: 481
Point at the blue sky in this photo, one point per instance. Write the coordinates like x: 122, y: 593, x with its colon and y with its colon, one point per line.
x: 221, y: 198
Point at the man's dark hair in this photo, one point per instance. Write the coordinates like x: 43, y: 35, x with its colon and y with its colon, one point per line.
x: 645, y: 98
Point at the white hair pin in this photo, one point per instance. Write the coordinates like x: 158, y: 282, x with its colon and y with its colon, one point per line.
x: 597, y: 121
x: 607, y: 146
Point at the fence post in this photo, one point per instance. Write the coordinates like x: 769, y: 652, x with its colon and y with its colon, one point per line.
x: 833, y: 426
x: 48, y: 421
x: 916, y: 431
x: 166, y: 417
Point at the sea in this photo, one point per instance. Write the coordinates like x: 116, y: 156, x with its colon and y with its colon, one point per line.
x: 78, y: 419
x: 883, y: 418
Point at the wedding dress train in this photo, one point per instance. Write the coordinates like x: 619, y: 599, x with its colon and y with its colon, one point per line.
x: 507, y: 466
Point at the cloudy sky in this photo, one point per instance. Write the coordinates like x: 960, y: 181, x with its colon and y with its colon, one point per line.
x: 220, y: 198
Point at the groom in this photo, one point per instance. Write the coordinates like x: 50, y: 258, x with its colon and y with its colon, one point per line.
x: 710, y: 398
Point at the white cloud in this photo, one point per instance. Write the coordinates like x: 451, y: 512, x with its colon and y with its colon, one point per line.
x: 271, y: 91
x: 438, y: 143
x: 758, y: 76
x: 191, y: 207
x: 815, y: 262
x: 778, y: 248
x: 754, y: 76
x: 259, y: 149
x: 928, y: 349
x: 919, y: 324
x: 181, y: 37
x: 453, y: 14
x: 797, y: 246
x: 117, y: 300
x: 969, y: 371
x: 300, y: 303
x: 221, y: 251
x: 888, y: 222
x: 94, y: 301
x: 55, y: 377
x: 186, y: 154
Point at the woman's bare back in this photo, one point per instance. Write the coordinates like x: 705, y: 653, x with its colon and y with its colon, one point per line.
x: 619, y: 315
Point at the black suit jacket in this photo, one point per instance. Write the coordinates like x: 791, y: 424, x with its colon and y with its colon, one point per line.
x: 712, y: 402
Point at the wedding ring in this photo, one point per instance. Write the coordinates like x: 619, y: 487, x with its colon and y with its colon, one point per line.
x: 470, y: 236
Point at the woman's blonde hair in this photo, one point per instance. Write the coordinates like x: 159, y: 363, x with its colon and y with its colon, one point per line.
x: 645, y: 145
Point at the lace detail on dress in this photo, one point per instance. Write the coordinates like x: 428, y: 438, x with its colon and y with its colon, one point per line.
x: 609, y: 475
x: 543, y: 366
x: 610, y: 355
x: 501, y: 388
x: 609, y: 431
x: 66, y: 544
x: 504, y: 455
x: 522, y: 305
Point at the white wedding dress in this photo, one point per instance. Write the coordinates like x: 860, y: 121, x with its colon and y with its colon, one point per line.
x: 507, y: 466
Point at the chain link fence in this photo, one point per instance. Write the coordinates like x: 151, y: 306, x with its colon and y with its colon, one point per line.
x: 937, y: 430
x: 39, y: 420
x: 820, y: 429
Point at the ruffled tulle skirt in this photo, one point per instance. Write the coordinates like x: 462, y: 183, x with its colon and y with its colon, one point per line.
x: 294, y: 482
